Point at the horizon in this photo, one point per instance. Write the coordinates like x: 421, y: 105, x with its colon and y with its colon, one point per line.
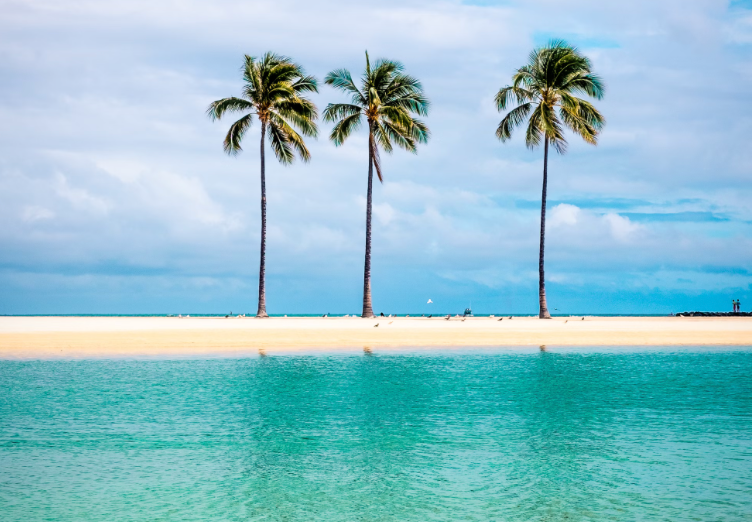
x: 118, y: 198
x: 342, y: 315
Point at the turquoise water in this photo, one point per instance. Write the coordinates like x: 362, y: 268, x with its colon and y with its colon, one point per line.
x: 506, y: 436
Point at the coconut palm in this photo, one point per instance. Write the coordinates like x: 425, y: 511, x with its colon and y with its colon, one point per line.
x: 545, y: 92
x: 273, y: 92
x: 386, y: 100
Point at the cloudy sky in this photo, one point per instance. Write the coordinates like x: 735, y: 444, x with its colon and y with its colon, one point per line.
x: 116, y: 197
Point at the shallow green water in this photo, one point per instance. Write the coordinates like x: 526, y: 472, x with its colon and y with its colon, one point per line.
x: 522, y: 436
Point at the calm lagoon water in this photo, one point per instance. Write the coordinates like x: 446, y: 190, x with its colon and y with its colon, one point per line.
x: 580, y: 435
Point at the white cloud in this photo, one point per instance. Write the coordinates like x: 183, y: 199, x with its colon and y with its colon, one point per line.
x: 564, y: 214
x: 621, y: 227
x: 80, y: 198
x: 739, y: 30
x: 34, y: 213
x: 384, y: 212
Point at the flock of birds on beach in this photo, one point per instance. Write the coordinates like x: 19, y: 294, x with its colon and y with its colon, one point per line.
x: 448, y: 317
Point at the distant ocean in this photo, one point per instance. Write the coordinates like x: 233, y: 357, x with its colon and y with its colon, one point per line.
x: 250, y: 314
x: 484, y: 435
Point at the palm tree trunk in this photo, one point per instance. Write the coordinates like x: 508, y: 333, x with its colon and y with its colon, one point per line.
x: 367, y: 305
x: 262, y: 268
x: 541, y: 279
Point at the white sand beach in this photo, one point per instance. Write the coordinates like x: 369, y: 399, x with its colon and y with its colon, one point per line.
x: 49, y: 337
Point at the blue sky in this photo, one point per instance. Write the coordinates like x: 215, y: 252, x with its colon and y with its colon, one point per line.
x: 115, y: 196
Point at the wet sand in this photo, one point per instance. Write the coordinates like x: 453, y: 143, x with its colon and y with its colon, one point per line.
x: 53, y: 337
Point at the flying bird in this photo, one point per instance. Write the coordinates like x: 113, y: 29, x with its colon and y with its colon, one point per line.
x: 429, y: 302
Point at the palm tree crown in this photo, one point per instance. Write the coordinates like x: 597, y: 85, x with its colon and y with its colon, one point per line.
x: 387, y: 99
x: 552, y: 78
x: 273, y: 91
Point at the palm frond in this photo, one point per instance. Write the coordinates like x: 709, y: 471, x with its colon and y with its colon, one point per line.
x: 293, y: 138
x: 565, y: 64
x: 419, y: 131
x: 234, y: 137
x: 578, y: 125
x: 344, y: 128
x: 277, y: 92
x: 383, y: 74
x: 282, y: 73
x: 218, y: 108
x: 513, y: 119
x: 337, y: 111
x: 381, y: 137
x: 534, y: 133
x: 526, y: 78
x: 400, y: 136
x: 396, y: 115
x: 582, y: 118
x: 506, y: 94
x: 411, y: 100
x: 590, y: 84
x: 280, y: 143
x: 341, y: 79
x: 301, y: 113
x: 305, y: 84
x: 306, y: 126
x: 251, y: 75
x: 585, y: 110
x: 401, y: 84
x: 389, y: 67
x: 591, y: 115
x: 552, y: 128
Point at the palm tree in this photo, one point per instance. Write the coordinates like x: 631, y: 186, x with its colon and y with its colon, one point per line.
x: 387, y: 99
x: 273, y: 92
x: 552, y: 77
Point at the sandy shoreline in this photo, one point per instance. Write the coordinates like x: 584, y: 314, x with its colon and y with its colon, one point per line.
x: 52, y: 337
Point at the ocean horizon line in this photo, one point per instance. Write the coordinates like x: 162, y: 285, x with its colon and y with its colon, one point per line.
x: 342, y: 315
